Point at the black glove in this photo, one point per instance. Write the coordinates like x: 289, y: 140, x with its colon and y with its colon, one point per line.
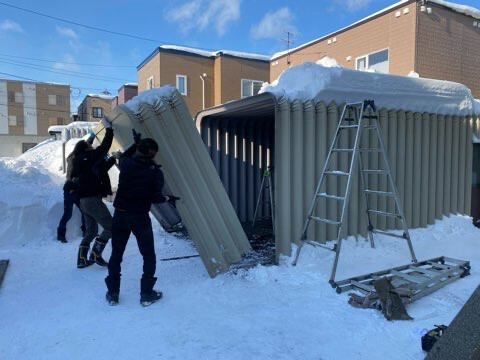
x: 172, y: 199
x: 136, y: 136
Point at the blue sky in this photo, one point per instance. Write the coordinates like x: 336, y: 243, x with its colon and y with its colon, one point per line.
x: 98, y: 60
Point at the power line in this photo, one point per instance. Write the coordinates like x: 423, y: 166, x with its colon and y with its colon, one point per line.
x: 67, y: 72
x: 78, y: 24
x: 62, y: 71
x: 69, y: 63
x: 45, y: 82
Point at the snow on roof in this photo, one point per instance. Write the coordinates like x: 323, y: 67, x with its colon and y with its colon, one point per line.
x: 310, y: 81
x: 103, y: 96
x: 150, y: 97
x: 463, y: 9
x: 75, y: 124
x: 216, y: 53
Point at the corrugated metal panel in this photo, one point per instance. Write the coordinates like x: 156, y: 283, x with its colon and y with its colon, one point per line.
x: 430, y: 156
x: 204, y: 206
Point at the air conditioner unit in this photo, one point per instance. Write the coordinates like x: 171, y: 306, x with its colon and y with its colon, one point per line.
x: 423, y: 8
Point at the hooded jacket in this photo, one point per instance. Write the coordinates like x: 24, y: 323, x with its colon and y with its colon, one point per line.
x: 90, y: 167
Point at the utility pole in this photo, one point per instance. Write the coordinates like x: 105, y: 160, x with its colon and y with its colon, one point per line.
x: 288, y: 41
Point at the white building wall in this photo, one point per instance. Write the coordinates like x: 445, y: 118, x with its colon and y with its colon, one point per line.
x: 3, y: 108
x: 30, y: 109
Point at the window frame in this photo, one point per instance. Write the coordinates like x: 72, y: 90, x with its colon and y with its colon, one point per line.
x: 94, y: 115
x: 177, y: 77
x: 251, y: 85
x: 150, y: 83
x: 367, y: 59
x: 52, y: 100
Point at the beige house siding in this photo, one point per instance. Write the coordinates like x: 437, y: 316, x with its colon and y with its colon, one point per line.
x: 386, y: 31
x: 86, y: 107
x: 192, y: 66
x: 224, y: 74
x: 151, y: 68
x: 448, y: 47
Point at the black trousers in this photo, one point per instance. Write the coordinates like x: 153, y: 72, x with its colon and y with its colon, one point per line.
x: 124, y: 223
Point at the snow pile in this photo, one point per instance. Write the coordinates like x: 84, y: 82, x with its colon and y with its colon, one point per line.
x: 328, y: 62
x: 150, y: 97
x: 313, y: 81
x: 462, y: 9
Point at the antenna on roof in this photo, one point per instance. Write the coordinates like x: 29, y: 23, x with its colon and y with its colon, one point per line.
x: 289, y: 41
x: 106, y: 92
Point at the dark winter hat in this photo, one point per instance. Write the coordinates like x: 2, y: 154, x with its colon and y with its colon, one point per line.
x: 146, y: 145
x: 80, y: 147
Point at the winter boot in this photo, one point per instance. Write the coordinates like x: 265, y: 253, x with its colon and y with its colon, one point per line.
x: 96, y: 254
x: 82, y: 260
x: 113, y: 286
x: 61, y: 236
x: 147, y: 295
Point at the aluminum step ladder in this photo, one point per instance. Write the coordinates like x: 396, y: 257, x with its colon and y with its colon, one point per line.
x: 354, y: 119
x: 412, y: 281
x: 265, y: 185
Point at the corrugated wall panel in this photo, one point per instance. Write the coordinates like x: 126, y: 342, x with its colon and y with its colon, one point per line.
x: 432, y: 181
x: 440, y: 173
x: 321, y: 148
x: 468, y: 167
x: 447, y: 190
x: 283, y: 173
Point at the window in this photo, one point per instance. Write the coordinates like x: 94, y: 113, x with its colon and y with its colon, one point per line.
x: 15, y: 96
x: 28, y: 146
x: 182, y: 84
x: 56, y: 100
x: 97, y: 112
x: 56, y: 121
x: 14, y: 120
x: 52, y: 99
x: 377, y: 61
x: 250, y: 87
x: 150, y: 83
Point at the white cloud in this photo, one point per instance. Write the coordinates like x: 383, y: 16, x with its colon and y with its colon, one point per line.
x: 10, y: 25
x: 353, y: 5
x: 65, y: 64
x: 274, y: 25
x: 199, y: 14
x: 67, y: 32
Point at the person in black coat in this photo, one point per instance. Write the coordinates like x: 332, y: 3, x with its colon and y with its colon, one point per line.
x: 140, y: 184
x: 90, y: 167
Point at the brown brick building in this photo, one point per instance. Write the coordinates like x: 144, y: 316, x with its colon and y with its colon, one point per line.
x: 125, y: 93
x: 27, y: 109
x: 94, y: 106
x: 431, y: 38
x: 205, y: 78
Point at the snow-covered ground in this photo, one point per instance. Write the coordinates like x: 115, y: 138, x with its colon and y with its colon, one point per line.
x: 49, y: 309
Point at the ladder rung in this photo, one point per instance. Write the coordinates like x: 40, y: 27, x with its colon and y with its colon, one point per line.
x: 333, y: 197
x: 384, y: 193
x: 384, y: 213
x: 342, y: 150
x: 337, y: 173
x: 375, y: 231
x: 327, y: 221
x: 409, y: 277
x: 348, y: 126
x: 365, y: 287
x: 425, y: 271
x: 376, y: 171
x: 316, y: 244
x: 371, y: 150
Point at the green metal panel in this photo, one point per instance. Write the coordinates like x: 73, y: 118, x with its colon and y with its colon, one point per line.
x: 432, y: 161
x: 425, y: 169
x: 447, y: 189
x: 297, y: 175
x: 461, y: 165
x: 455, y: 161
x: 309, y: 179
x: 321, y: 143
x: 440, y: 173
x: 468, y: 166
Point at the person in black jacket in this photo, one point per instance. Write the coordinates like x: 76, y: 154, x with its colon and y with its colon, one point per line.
x: 90, y: 167
x: 140, y: 184
x: 70, y: 198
